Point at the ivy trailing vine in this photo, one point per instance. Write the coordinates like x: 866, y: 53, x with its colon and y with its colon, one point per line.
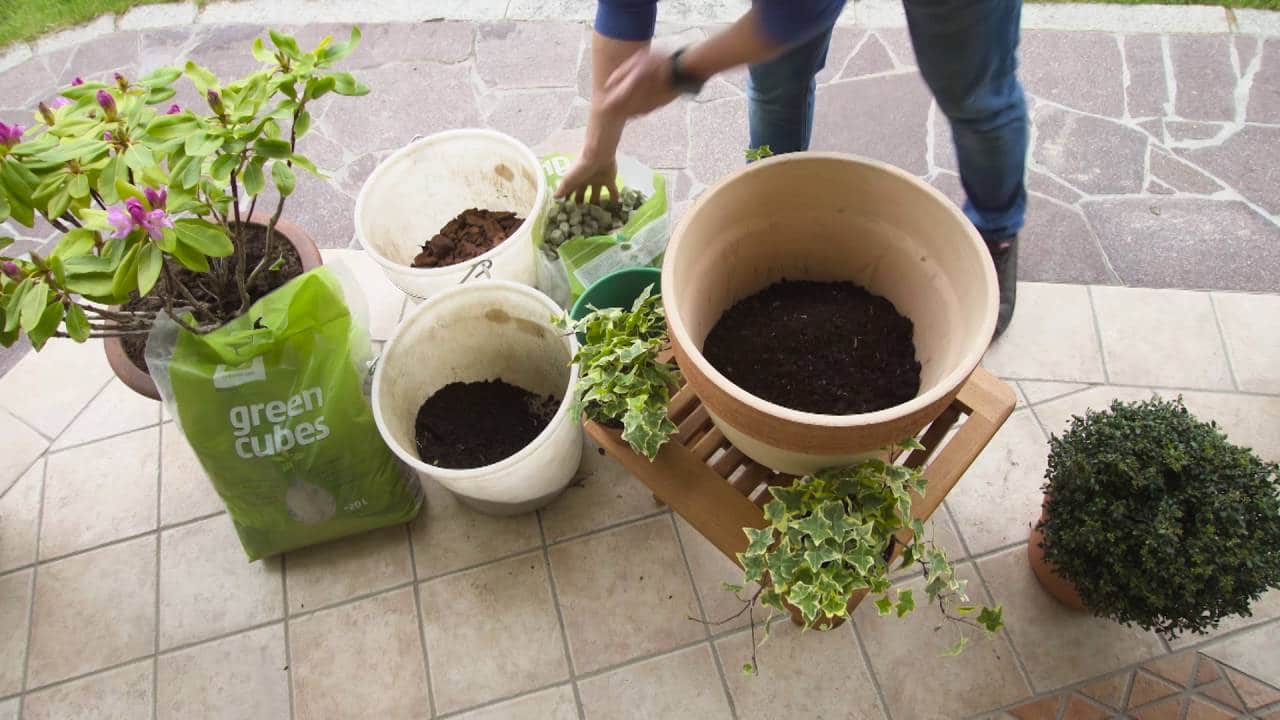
x: 831, y: 535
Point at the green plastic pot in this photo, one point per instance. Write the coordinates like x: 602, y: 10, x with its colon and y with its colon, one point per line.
x: 617, y: 289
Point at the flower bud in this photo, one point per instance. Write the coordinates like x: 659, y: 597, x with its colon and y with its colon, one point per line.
x: 10, y: 135
x: 156, y: 198
x: 121, y: 82
x: 215, y: 103
x: 11, y: 269
x: 108, y: 104
x: 77, y: 81
x: 174, y: 109
x: 46, y: 114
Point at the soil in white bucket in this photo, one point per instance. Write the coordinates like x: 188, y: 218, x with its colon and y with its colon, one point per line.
x: 473, y: 233
x: 473, y: 424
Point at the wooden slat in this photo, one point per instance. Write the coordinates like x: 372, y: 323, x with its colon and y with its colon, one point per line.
x: 692, y: 424
x: 750, y: 478
x: 707, y: 444
x: 933, y: 437
x: 681, y: 404
x: 695, y: 493
x: 728, y: 462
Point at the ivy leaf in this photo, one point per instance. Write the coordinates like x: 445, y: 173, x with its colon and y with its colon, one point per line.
x: 906, y: 602
x: 730, y: 587
x: 991, y: 619
x: 957, y: 648
x: 759, y: 540
x: 884, y: 606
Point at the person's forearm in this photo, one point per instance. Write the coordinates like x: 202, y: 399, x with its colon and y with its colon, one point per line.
x: 604, y: 131
x: 742, y: 43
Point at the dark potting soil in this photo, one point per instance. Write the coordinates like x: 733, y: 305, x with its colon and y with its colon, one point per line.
x: 468, y: 425
x: 822, y: 347
x: 222, y: 296
x: 472, y: 233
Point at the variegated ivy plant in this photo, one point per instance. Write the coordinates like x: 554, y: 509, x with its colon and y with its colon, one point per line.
x: 140, y: 190
x: 621, y: 380
x: 831, y: 535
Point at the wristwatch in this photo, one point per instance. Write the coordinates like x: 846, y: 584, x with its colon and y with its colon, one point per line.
x: 682, y: 80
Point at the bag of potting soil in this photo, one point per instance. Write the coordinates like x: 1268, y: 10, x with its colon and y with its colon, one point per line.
x: 275, y: 404
x: 568, y: 267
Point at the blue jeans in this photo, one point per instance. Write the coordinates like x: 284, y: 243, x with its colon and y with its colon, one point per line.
x: 967, y: 52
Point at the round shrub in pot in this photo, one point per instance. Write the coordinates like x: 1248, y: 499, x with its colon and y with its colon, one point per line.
x: 1157, y: 519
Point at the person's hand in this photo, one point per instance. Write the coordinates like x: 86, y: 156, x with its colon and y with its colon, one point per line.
x: 592, y: 173
x: 640, y: 85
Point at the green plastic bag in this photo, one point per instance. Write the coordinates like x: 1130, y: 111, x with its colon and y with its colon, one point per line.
x: 275, y: 405
x: 566, y: 272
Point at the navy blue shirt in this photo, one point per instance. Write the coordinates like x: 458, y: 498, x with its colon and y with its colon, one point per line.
x: 786, y: 22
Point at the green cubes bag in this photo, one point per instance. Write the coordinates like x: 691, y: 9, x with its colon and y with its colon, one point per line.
x: 275, y: 405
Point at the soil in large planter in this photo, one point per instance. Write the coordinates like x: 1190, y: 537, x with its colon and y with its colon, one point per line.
x: 471, y: 234
x: 473, y: 424
x: 222, y: 296
x: 821, y: 347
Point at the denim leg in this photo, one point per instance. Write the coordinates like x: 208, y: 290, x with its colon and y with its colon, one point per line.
x: 967, y: 52
x: 780, y: 96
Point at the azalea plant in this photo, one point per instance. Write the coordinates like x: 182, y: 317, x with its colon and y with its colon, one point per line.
x: 153, y: 199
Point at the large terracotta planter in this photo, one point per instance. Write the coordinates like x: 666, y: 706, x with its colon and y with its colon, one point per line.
x: 829, y: 217
x: 1056, y: 585
x: 139, y: 380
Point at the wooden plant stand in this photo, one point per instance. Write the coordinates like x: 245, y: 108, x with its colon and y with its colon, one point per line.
x: 714, y: 487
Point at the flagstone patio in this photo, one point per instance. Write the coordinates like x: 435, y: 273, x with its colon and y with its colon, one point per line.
x: 1152, y: 256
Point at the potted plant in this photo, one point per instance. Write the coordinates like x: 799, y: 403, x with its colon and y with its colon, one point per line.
x: 158, y: 203
x: 623, y: 383
x: 831, y: 540
x: 1152, y: 517
x: 846, y: 220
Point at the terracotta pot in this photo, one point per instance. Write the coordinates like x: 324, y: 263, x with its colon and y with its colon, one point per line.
x: 139, y: 380
x: 829, y: 217
x: 1056, y: 585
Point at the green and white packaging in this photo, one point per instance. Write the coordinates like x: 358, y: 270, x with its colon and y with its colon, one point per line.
x: 275, y: 405
x: 566, y: 272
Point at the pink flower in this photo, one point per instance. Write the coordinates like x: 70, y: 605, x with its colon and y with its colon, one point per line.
x: 59, y: 102
x: 137, y: 213
x: 11, y: 269
x: 155, y: 223
x: 77, y: 81
x: 107, y: 136
x: 121, y: 221
x: 174, y: 109
x: 108, y: 104
x: 10, y: 135
x: 156, y: 198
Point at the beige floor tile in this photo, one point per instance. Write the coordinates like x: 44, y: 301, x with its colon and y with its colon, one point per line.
x: 93, y: 610
x: 449, y: 536
x: 115, y: 410
x: 22, y: 446
x: 1252, y: 335
x: 682, y: 684
x: 208, y: 587
x: 185, y: 490
x: 100, y: 492
x: 492, y: 632
x: 625, y: 593
x: 794, y: 677
x: 605, y: 494
x: 15, y: 606
x: 120, y: 694
x: 1253, y: 652
x: 711, y: 569
x: 1251, y: 421
x: 243, y: 676
x: 68, y: 375
x: 9, y: 709
x: 1161, y: 337
x: 19, y: 518
x: 1056, y: 415
x: 1265, y: 609
x: 325, y: 574
x: 1051, y: 337
x: 999, y: 497
x: 942, y: 532
x: 1059, y: 646
x: 553, y: 704
x: 384, y: 300
x: 360, y: 660
x: 1038, y: 391
x: 984, y: 677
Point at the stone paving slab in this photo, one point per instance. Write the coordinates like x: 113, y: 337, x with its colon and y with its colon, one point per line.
x: 132, y: 593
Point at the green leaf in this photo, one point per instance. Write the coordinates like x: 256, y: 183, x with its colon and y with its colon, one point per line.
x: 204, y: 237
x: 150, y: 261
x: 155, y: 96
x: 201, y: 144
x: 50, y: 319
x: 13, y: 310
x: 884, y: 606
x: 79, y: 186
x: 253, y: 179
x: 59, y: 270
x: 992, y: 619
x: 221, y: 168
x: 266, y: 147
x: 161, y: 76
x: 77, y: 324
x: 303, y: 124
x: 730, y: 587
x: 190, y: 258
x: 283, y: 177
x: 33, y: 305
x: 4, y: 207
x: 286, y: 44
x: 201, y: 78
x: 748, y: 669
x: 906, y: 602
x: 344, y: 83
x: 758, y: 540
x: 261, y: 53
x: 125, y: 279
x: 957, y: 648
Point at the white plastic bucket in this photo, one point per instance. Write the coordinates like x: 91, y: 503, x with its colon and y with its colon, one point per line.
x: 474, y: 332
x: 421, y: 187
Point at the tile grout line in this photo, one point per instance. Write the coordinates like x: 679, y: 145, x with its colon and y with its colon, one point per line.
x: 288, y: 655
x: 1226, y: 346
x: 871, y: 671
x: 1097, y: 333
x: 155, y: 646
x: 417, y: 608
x: 1008, y: 635
x: 31, y: 607
x: 564, y: 633
x: 706, y: 629
x: 29, y: 426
